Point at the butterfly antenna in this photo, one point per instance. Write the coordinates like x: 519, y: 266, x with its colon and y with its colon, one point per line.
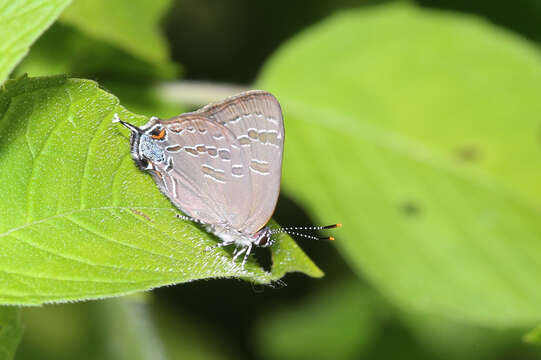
x: 291, y: 230
x: 133, y: 128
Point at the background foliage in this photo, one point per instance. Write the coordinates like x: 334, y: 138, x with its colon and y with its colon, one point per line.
x: 414, y: 124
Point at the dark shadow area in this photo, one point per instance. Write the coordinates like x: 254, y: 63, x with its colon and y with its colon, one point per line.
x: 521, y: 16
x: 228, y: 41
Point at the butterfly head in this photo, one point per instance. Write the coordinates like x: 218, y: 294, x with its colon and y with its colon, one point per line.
x: 145, y: 142
x: 263, y: 237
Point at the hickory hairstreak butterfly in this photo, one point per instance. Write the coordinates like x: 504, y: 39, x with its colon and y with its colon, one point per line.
x: 221, y: 166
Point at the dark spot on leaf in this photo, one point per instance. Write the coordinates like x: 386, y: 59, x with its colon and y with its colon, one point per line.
x: 137, y: 212
x: 410, y: 208
x: 468, y: 153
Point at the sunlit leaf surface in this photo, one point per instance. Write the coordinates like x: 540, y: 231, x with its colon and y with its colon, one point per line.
x: 21, y: 23
x: 419, y: 130
x: 132, y: 25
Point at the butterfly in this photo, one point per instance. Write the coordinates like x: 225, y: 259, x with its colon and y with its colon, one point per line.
x: 221, y: 166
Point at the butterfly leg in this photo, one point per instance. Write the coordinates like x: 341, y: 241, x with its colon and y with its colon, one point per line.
x: 237, y: 254
x: 248, y: 251
x: 218, y: 245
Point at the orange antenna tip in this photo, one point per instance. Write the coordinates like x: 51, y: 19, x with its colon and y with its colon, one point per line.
x: 338, y: 225
x: 331, y: 238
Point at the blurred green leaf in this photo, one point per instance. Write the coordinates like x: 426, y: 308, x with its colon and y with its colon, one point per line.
x: 143, y: 100
x: 138, y: 329
x: 132, y: 25
x: 64, y: 50
x: 337, y: 323
x: 116, y: 329
x: 79, y: 219
x: 64, y: 332
x: 348, y: 321
x: 129, y: 330
x: 184, y: 337
x: 21, y: 23
x: 448, y: 339
x: 534, y: 336
x: 11, y: 330
x: 419, y: 130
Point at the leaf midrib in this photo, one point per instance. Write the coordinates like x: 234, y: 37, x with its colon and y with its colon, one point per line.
x: 65, y: 214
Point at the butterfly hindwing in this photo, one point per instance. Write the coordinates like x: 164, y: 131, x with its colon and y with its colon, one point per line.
x: 255, y: 119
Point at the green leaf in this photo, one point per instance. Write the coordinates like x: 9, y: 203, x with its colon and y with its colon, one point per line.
x: 118, y: 329
x: 419, y: 131
x: 533, y: 336
x: 338, y: 323
x: 349, y: 321
x: 79, y: 219
x: 64, y: 50
x: 112, y: 329
x: 137, y: 329
x: 143, y: 100
x: 129, y: 330
x: 64, y: 332
x: 21, y: 23
x: 11, y: 331
x: 185, y: 336
x: 448, y: 339
x: 132, y: 25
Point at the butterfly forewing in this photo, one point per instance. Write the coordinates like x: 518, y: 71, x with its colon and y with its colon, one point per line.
x: 255, y: 120
x: 204, y: 175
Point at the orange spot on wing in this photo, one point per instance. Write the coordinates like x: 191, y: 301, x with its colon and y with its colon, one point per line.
x: 160, y: 136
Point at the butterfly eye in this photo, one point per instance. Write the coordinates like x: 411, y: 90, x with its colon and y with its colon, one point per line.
x: 143, y: 163
x: 158, y: 133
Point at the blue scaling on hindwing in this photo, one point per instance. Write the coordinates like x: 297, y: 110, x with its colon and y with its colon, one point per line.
x: 150, y: 149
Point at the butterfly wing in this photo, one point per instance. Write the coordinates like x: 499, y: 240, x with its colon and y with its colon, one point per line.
x: 202, y: 173
x: 255, y: 119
